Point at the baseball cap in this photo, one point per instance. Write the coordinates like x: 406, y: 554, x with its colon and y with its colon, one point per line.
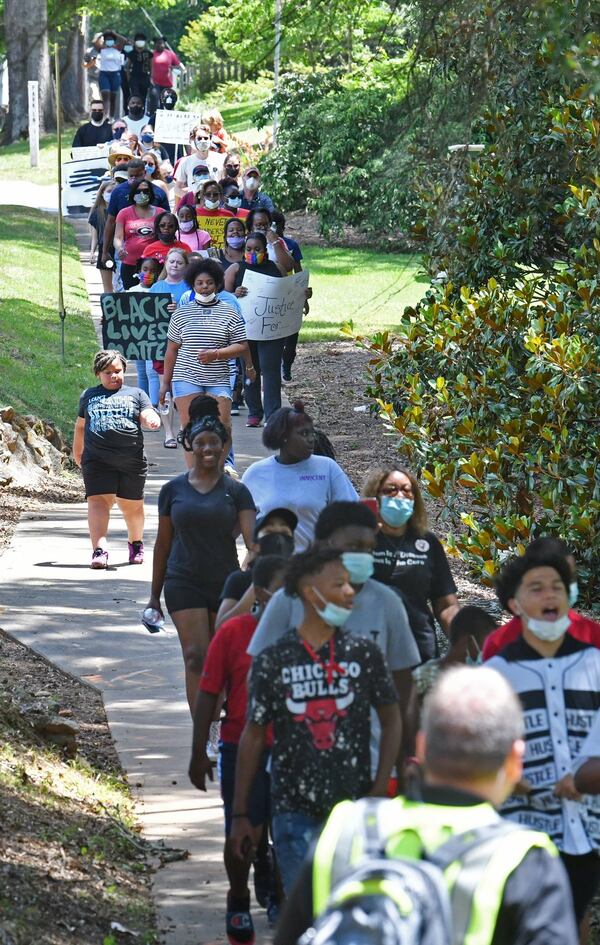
x: 286, y: 514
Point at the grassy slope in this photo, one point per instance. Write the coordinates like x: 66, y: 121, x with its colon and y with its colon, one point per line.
x: 366, y: 287
x: 14, y: 159
x: 33, y: 377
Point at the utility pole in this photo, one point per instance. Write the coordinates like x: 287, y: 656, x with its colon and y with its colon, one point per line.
x: 276, y: 63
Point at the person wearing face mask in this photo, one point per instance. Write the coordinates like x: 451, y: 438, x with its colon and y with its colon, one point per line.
x: 97, y: 220
x: 135, y: 117
x: 261, y: 221
x: 153, y: 171
x: 582, y: 628
x: 252, y: 196
x: 232, y: 199
x: 166, y: 228
x: 164, y: 60
x: 231, y: 169
x: 234, y: 236
x: 316, y: 686
x: 557, y: 679
x: 120, y: 134
x: 308, y: 482
x: 149, y: 145
x: 189, y: 231
x: 138, y: 65
x: 95, y: 131
x: 212, y: 216
x: 110, y: 61
x: 273, y: 535
x: 467, y: 634
x: 189, y: 170
x: 134, y: 229
x: 119, y: 200
x: 226, y: 670
x: 409, y: 558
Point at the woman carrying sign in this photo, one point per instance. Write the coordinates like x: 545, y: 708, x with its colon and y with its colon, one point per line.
x: 108, y: 445
x: 266, y: 355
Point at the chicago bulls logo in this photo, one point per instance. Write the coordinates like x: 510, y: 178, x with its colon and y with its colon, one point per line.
x: 321, y: 716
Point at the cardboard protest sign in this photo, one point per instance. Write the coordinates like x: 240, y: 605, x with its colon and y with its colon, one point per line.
x: 273, y: 307
x: 215, y: 226
x: 174, y: 127
x: 80, y: 181
x: 136, y: 323
x: 96, y: 150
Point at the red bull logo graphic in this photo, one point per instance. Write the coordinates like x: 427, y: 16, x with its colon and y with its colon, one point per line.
x: 321, y: 716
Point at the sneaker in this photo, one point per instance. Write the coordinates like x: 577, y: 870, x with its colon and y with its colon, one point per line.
x: 235, y: 410
x: 136, y: 552
x: 238, y: 924
x: 99, y: 559
x: 212, y: 745
x: 253, y: 422
x: 286, y: 373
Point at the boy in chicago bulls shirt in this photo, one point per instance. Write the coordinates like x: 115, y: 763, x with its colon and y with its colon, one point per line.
x: 316, y: 685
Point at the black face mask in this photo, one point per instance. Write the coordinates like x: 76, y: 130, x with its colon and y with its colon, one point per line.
x: 276, y: 543
x: 136, y: 111
x: 97, y: 116
x: 232, y: 171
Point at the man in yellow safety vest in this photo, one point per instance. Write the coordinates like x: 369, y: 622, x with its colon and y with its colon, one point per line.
x: 510, y: 888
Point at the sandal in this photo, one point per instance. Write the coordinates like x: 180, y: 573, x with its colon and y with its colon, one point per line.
x: 170, y: 444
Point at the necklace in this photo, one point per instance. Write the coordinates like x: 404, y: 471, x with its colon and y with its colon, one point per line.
x: 331, y: 667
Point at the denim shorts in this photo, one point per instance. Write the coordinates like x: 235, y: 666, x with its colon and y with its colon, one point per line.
x: 293, y: 834
x: 110, y: 81
x: 185, y: 389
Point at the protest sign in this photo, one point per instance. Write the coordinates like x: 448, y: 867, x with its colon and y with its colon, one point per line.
x: 136, y: 323
x: 273, y: 307
x: 174, y: 127
x: 96, y: 150
x: 215, y: 226
x: 80, y: 182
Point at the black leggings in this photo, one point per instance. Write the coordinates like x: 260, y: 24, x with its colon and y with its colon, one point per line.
x: 584, y: 877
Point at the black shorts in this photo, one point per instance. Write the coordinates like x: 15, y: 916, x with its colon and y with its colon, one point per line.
x: 259, y: 798
x: 101, y: 479
x: 584, y: 878
x: 188, y: 595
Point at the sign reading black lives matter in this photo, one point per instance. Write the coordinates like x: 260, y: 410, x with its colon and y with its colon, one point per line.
x: 273, y: 307
x: 136, y: 324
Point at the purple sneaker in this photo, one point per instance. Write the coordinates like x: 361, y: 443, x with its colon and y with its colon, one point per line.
x: 99, y: 559
x: 136, y: 552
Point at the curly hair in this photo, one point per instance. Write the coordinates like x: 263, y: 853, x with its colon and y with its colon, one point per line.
x: 417, y: 524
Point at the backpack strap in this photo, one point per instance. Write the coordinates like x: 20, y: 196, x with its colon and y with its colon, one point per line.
x: 459, y: 846
x: 363, y: 836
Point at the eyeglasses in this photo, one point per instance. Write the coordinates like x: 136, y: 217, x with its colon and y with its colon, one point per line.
x: 393, y: 489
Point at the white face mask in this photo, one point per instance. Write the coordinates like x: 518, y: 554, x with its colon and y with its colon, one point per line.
x: 206, y: 298
x: 548, y: 630
x: 211, y: 204
x: 140, y: 43
x: 251, y: 183
x: 202, y: 144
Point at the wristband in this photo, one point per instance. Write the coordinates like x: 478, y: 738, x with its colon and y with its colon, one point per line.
x: 234, y: 816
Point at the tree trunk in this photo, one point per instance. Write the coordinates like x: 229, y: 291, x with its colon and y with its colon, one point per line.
x: 26, y: 32
x: 73, y: 99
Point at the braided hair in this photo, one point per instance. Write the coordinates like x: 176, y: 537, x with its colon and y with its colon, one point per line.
x: 204, y: 417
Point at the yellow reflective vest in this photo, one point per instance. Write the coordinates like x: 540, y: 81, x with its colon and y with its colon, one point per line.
x: 411, y: 830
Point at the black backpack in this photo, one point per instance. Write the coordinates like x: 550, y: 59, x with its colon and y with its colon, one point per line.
x: 383, y: 901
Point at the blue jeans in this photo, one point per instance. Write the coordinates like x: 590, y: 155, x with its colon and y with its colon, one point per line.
x: 293, y: 833
x: 266, y: 357
x: 142, y: 376
x: 153, y: 383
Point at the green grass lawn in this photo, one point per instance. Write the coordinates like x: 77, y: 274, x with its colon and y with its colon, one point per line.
x: 14, y: 159
x: 33, y: 377
x: 366, y: 287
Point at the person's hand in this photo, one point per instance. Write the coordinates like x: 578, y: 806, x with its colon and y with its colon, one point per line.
x: 150, y: 420
x: 251, y: 372
x: 172, y: 307
x: 241, y: 838
x: 77, y: 458
x: 272, y: 236
x: 154, y: 604
x: 241, y: 291
x: 164, y: 390
x: 120, y: 252
x: 208, y: 355
x: 306, y: 309
x: 105, y: 256
x: 565, y: 788
x: 249, y: 557
x: 379, y: 789
x: 200, y: 768
x: 523, y: 787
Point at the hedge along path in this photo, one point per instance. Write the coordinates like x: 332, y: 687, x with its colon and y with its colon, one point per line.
x: 88, y: 623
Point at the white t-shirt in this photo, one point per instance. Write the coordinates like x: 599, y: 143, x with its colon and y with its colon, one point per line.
x: 135, y: 125
x: 305, y: 487
x: 185, y: 169
x: 110, y: 59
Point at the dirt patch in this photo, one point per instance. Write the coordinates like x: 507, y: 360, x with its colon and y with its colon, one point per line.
x: 304, y: 228
x: 71, y: 863
x: 331, y: 379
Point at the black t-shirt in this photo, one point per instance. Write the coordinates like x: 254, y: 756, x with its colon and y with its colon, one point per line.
x: 535, y: 908
x: 88, y: 135
x: 203, y: 548
x: 112, y: 425
x: 321, y: 730
x: 140, y: 63
x: 416, y: 567
x: 236, y: 585
x: 268, y: 268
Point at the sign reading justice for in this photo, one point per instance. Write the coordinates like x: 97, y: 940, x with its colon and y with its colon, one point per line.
x: 136, y: 324
x: 273, y: 307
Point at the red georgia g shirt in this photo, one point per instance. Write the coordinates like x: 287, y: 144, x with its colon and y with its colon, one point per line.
x: 582, y: 628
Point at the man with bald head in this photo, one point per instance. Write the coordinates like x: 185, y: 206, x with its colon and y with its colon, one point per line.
x: 470, y: 749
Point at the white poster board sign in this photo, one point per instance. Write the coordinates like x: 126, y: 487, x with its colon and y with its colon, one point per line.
x: 34, y: 122
x: 80, y: 181
x: 173, y: 127
x: 96, y: 150
x: 273, y: 307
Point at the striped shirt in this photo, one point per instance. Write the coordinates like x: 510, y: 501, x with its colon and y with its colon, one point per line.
x: 560, y: 696
x: 195, y: 326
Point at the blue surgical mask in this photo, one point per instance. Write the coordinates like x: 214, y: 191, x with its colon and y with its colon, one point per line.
x: 573, y: 593
x: 332, y: 614
x: 109, y: 42
x: 359, y: 565
x: 147, y: 138
x: 395, y: 511
x: 128, y: 48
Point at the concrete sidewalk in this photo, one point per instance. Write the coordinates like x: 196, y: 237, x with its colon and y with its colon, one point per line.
x: 88, y: 623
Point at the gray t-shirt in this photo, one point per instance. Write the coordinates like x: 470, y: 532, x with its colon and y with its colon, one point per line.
x: 378, y: 615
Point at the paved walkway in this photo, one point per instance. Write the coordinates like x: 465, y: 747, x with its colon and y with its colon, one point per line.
x: 88, y: 623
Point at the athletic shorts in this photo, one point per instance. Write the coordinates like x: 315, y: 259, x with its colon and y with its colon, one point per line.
x: 187, y: 595
x: 101, y: 479
x: 110, y: 81
x: 184, y: 389
x: 259, y: 799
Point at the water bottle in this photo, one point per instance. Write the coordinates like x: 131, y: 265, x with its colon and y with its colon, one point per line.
x: 165, y: 407
x: 109, y: 264
x: 153, y: 619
